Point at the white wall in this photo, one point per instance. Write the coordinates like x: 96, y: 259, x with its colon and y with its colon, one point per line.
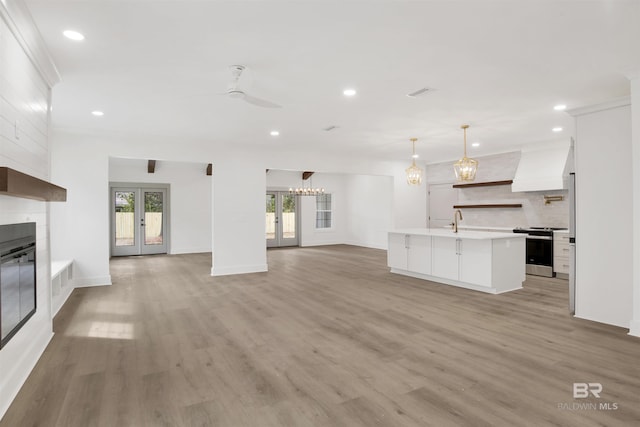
x: 333, y: 184
x: 604, y: 203
x: 80, y: 227
x: 361, y: 207
x: 24, y: 98
x: 189, y: 198
x: 369, y: 210
x: 409, y: 201
x: 238, y: 215
x: 501, y: 167
x: 80, y: 161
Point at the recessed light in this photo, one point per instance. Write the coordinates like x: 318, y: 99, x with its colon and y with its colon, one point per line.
x: 274, y: 133
x: 97, y: 113
x: 557, y: 129
x: 349, y: 92
x: 73, y: 35
x: 560, y: 107
x: 475, y: 144
x: 415, y: 156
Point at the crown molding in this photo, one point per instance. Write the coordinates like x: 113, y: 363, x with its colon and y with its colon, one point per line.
x: 20, y: 22
x: 614, y: 103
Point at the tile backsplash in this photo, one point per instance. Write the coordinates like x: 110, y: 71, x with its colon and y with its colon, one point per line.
x: 499, y: 167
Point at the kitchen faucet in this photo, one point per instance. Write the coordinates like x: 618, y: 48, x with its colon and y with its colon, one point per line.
x: 457, y: 213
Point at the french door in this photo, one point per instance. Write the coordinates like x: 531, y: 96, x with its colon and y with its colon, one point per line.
x: 281, y: 219
x: 138, y: 221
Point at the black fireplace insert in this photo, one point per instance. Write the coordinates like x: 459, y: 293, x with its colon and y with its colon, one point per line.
x: 17, y: 277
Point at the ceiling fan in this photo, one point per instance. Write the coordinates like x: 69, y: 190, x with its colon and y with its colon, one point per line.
x: 235, y: 92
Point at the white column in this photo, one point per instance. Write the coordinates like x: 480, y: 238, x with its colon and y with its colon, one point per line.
x: 239, y: 185
x: 634, y: 77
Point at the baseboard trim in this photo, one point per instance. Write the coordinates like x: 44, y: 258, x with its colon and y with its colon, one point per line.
x: 87, y: 282
x: 240, y: 269
x: 59, y: 300
x: 367, y: 245
x: 634, y: 328
x: 580, y: 315
x: 181, y: 251
x: 17, y: 376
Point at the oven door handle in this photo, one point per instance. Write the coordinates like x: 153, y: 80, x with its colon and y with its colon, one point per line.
x: 539, y: 237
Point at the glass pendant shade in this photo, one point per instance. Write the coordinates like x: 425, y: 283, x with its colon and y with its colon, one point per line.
x: 465, y: 168
x: 414, y: 173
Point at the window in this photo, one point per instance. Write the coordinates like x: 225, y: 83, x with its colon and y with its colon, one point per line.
x: 323, y: 211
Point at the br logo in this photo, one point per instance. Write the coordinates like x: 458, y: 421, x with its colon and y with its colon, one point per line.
x: 583, y: 390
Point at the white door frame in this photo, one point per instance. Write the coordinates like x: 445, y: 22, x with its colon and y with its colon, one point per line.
x: 279, y: 240
x: 139, y: 248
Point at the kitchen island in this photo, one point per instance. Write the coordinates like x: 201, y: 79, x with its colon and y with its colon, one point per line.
x: 484, y: 261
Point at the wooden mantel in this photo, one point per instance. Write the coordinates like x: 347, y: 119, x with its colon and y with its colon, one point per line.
x: 18, y: 184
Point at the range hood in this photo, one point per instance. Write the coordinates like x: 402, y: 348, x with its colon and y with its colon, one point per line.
x: 543, y: 167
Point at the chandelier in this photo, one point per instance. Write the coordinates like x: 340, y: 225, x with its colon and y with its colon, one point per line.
x: 306, y: 191
x: 414, y: 173
x: 465, y: 168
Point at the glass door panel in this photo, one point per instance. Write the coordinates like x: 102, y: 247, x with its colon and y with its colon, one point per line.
x: 125, y: 202
x: 289, y: 222
x: 153, y: 213
x: 281, y: 227
x: 270, y: 219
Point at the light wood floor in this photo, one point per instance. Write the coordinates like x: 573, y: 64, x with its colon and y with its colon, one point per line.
x: 328, y: 337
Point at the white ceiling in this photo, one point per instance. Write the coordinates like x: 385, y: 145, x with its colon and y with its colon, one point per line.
x: 154, y: 68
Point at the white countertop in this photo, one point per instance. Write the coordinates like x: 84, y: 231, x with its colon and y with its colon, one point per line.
x: 482, y: 228
x: 461, y: 234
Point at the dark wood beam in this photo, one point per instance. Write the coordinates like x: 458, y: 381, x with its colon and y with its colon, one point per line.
x: 210, y: 169
x: 18, y: 184
x: 306, y: 175
x: 151, y: 166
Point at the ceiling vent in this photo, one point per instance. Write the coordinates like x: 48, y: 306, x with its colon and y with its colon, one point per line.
x: 330, y: 128
x: 420, y: 92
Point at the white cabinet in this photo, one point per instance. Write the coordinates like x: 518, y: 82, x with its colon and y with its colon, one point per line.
x: 397, y: 251
x: 561, y: 253
x: 482, y: 261
x: 445, y: 257
x: 466, y: 260
x: 409, y: 252
x: 475, y: 261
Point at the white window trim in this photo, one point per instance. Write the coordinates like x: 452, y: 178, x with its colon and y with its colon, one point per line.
x: 315, y: 219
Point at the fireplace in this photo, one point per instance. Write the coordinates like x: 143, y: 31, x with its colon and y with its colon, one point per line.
x: 17, y: 277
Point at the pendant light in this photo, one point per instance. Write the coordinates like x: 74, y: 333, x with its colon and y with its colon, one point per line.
x: 414, y: 173
x: 306, y: 191
x: 465, y: 168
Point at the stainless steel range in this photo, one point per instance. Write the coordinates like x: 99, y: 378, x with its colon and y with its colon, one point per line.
x: 539, y: 252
